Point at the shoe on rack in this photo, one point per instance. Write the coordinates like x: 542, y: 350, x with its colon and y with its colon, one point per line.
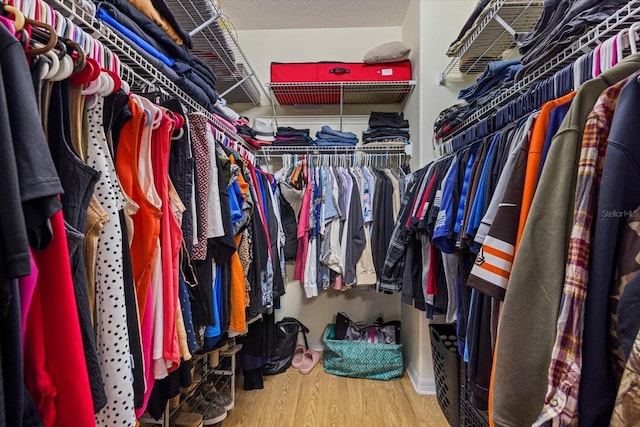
x: 188, y: 419
x: 225, y: 394
x: 195, y: 382
x: 219, y: 396
x: 223, y: 399
x: 146, y: 418
x: 211, y: 412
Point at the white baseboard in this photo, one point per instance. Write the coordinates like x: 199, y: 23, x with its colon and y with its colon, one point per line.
x: 421, y: 385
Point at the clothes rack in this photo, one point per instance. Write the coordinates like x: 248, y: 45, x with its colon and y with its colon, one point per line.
x: 493, y: 36
x: 237, y: 80
x: 359, y: 155
x: 347, y: 160
x: 80, y: 27
x: 587, y: 43
x: 137, y: 69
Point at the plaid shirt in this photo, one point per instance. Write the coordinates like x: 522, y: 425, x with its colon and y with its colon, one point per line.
x: 394, y: 261
x: 561, y: 402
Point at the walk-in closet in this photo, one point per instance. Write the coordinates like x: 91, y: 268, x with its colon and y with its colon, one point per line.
x: 319, y: 213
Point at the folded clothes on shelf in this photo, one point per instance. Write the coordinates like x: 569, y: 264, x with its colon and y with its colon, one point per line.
x: 153, y: 60
x: 152, y: 29
x: 158, y: 11
x: 289, y: 131
x: 221, y: 108
x: 470, y: 25
x: 141, y: 42
x: 387, y: 120
x: 327, y: 136
x: 450, y: 118
x: 495, y: 74
x: 372, y: 134
x: 86, y: 5
x: 396, y: 139
x: 386, y: 127
x: 562, y: 22
x: 293, y: 140
x: 187, y: 71
x: 497, y: 77
x: 292, y: 137
x: 125, y: 21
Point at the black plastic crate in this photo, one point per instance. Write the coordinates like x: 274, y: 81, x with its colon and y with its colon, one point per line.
x: 446, y: 367
x: 469, y: 415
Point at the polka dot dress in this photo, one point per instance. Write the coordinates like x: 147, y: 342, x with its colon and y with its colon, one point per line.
x: 111, y: 324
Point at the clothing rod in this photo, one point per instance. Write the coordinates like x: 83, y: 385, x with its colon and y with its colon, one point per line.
x: 314, y: 149
x: 344, y: 155
x: 621, y: 20
x: 137, y: 64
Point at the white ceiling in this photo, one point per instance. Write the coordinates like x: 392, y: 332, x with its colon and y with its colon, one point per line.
x: 290, y: 14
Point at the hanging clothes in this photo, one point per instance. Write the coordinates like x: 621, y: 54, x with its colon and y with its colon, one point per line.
x: 79, y: 181
x: 30, y: 190
x: 112, y: 334
x: 543, y: 257
x: 339, y: 221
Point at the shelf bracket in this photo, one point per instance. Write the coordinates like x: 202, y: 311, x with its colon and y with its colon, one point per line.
x: 341, y: 104
x: 504, y: 24
x: 204, y: 25
x: 238, y: 83
x: 443, y: 75
x: 273, y: 106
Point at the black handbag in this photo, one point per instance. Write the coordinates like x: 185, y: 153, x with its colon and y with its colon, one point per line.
x: 286, y: 338
x: 379, y: 332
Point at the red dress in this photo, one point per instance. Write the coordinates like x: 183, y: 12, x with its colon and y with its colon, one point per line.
x: 55, y: 369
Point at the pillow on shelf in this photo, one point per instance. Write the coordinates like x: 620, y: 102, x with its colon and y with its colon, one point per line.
x: 387, y: 52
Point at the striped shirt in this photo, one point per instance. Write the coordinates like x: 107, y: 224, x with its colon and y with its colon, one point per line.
x: 561, y: 402
x: 492, y: 268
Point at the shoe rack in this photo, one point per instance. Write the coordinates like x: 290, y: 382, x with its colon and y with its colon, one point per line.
x: 211, y: 394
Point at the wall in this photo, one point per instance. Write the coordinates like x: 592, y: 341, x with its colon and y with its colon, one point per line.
x: 413, y: 320
x: 341, y: 44
x: 431, y: 25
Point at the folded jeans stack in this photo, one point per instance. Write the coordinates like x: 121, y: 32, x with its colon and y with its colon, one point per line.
x: 495, y: 74
x: 328, y: 137
x: 288, y: 136
x: 497, y: 77
x: 386, y: 127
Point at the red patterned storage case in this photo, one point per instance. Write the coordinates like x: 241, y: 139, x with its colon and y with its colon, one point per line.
x: 329, y: 76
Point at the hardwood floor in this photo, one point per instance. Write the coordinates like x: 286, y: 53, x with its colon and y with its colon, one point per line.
x: 320, y: 399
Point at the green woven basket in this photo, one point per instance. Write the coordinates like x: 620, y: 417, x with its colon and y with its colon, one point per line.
x: 361, y: 359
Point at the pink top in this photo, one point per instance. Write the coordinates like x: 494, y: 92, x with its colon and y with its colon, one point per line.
x: 303, y: 234
x: 170, y: 238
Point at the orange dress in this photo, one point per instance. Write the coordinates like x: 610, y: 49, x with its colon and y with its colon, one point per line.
x: 237, y: 291
x: 147, y: 220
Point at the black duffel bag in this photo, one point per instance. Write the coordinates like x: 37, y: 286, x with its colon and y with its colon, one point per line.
x: 286, y: 338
